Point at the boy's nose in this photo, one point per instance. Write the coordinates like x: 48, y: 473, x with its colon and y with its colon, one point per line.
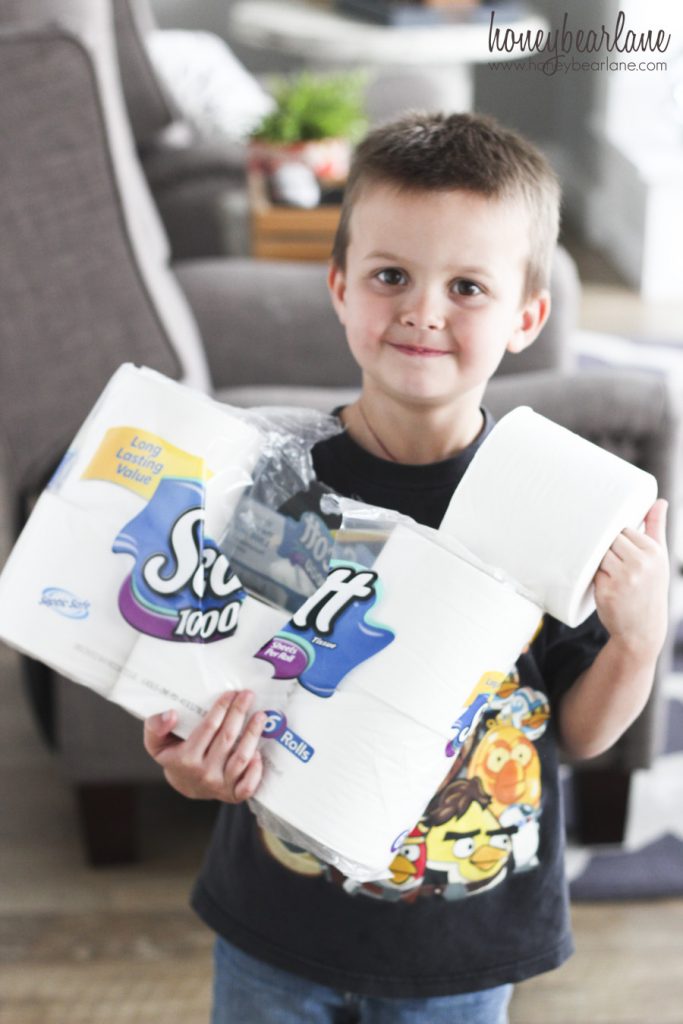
x: 428, y: 322
x: 423, y: 316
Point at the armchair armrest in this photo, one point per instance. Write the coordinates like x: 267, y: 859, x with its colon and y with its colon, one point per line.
x: 267, y: 323
x: 167, y: 163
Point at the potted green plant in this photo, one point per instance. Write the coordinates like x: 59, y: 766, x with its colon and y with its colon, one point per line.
x: 315, y: 121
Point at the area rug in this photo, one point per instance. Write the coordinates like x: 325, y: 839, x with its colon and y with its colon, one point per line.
x: 649, y: 864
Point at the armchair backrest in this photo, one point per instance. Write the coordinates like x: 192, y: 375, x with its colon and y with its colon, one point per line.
x: 84, y: 283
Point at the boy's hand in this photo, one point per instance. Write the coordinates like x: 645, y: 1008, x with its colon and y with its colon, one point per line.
x: 632, y: 584
x: 219, y: 759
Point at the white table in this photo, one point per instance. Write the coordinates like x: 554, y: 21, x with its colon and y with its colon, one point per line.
x: 322, y: 37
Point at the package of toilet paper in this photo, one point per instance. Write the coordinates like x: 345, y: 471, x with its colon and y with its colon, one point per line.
x: 119, y: 580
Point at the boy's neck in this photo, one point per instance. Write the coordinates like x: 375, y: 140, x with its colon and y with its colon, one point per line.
x: 411, y: 435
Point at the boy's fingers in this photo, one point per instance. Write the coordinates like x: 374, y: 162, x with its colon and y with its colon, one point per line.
x: 655, y: 530
x: 247, y: 785
x: 157, y: 732
x: 223, y: 741
x: 655, y: 521
x: 200, y: 739
x: 610, y: 563
x: 621, y: 547
x: 243, y: 751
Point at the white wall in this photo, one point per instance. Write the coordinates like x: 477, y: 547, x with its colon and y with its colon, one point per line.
x: 635, y: 208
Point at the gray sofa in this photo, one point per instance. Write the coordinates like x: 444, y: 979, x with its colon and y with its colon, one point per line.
x: 86, y: 283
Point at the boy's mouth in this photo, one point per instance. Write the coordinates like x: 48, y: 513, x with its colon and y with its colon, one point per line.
x: 419, y: 350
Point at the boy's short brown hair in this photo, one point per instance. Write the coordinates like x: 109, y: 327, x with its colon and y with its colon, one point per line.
x: 438, y: 152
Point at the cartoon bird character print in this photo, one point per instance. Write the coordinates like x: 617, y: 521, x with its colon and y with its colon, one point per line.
x: 508, y: 766
x: 408, y: 866
x: 467, y: 847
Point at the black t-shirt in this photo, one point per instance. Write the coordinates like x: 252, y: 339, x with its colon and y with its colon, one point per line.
x: 477, y: 895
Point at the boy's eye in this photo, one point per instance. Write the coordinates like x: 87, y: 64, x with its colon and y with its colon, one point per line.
x: 391, y: 276
x: 468, y: 288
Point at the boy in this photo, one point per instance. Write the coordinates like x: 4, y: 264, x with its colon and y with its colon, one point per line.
x: 440, y: 265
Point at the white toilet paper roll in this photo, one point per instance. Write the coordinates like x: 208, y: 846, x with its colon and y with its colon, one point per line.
x: 54, y: 607
x: 452, y: 622
x: 546, y: 505
x: 347, y: 779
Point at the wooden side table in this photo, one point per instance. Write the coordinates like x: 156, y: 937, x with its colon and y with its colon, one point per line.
x: 288, y: 232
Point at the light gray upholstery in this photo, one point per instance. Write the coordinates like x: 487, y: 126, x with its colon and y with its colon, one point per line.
x: 72, y: 297
x: 89, y: 126
x: 85, y: 285
x: 240, y: 303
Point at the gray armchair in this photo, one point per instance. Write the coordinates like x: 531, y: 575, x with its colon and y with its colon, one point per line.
x: 85, y: 284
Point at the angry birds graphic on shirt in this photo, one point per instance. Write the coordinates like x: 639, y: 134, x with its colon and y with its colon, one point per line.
x: 466, y: 843
x: 507, y: 764
x: 408, y: 866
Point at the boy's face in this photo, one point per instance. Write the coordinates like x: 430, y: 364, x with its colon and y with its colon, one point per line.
x: 433, y: 292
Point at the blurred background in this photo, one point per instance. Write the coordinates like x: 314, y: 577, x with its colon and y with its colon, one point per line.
x: 613, y: 135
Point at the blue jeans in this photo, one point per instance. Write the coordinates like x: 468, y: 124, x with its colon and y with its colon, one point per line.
x: 247, y: 991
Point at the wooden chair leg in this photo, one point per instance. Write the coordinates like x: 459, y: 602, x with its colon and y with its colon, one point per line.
x: 108, y: 814
x: 600, y: 804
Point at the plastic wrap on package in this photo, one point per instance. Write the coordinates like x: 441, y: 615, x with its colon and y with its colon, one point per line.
x: 280, y: 539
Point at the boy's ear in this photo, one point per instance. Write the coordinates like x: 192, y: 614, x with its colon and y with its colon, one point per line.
x: 532, y: 317
x: 336, y: 282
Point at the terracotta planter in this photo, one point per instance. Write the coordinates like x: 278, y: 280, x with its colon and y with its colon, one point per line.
x: 329, y: 159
